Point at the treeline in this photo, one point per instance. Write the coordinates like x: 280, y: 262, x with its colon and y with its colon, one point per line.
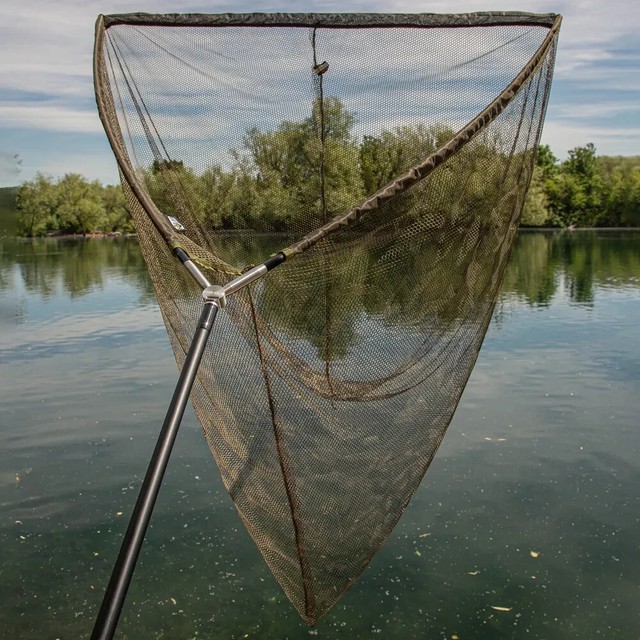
x: 315, y: 169
x: 295, y: 177
x: 70, y: 205
x: 584, y: 190
x: 301, y: 174
x: 275, y: 181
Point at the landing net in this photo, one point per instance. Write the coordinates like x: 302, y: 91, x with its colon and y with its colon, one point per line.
x: 387, y: 157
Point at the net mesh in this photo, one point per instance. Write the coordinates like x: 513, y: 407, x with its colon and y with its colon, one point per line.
x: 388, y: 157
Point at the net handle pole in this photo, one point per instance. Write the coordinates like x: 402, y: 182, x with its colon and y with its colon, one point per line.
x: 116, y: 592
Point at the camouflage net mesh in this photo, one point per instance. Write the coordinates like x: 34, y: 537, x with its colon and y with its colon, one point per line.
x: 388, y: 158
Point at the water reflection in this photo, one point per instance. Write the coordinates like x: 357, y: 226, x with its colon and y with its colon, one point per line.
x: 51, y: 266
x: 542, y: 455
x: 542, y: 265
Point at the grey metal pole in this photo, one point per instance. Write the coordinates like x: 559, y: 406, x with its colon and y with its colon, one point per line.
x: 113, y: 601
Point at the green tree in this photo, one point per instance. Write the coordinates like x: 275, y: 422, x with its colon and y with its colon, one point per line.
x: 621, y: 176
x: 116, y: 216
x: 176, y: 190
x: 383, y: 158
x: 71, y: 205
x: 304, y: 169
x: 536, y: 207
x: 37, y: 201
x: 577, y: 191
x: 631, y: 213
x: 547, y: 161
x: 80, y: 208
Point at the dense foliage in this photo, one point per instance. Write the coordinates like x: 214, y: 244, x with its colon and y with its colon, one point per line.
x: 584, y: 190
x: 70, y: 205
x: 299, y: 175
x: 280, y: 177
x: 268, y: 186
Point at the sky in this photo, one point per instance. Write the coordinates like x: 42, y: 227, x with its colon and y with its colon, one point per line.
x: 49, y: 122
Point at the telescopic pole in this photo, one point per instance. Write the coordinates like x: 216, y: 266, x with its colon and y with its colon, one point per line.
x: 214, y: 298
x: 113, y: 601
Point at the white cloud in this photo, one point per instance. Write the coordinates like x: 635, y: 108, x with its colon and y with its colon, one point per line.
x: 588, y: 111
x: 46, y: 69
x: 608, y: 141
x: 50, y: 116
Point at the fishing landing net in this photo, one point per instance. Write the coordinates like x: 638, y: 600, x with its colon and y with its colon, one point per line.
x: 381, y: 163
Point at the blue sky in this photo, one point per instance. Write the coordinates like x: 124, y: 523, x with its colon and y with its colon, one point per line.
x: 49, y: 123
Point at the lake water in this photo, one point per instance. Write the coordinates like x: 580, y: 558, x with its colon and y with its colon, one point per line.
x: 532, y: 504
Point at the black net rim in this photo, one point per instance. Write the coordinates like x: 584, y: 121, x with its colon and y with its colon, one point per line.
x: 335, y: 20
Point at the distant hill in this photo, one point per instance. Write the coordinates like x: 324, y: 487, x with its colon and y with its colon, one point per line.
x: 8, y: 213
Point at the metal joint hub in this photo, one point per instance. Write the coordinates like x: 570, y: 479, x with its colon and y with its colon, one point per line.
x: 216, y: 294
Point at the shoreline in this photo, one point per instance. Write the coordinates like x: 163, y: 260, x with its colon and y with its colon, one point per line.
x: 231, y: 232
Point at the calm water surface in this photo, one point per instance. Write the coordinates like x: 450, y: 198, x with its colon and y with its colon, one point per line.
x: 532, y: 503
